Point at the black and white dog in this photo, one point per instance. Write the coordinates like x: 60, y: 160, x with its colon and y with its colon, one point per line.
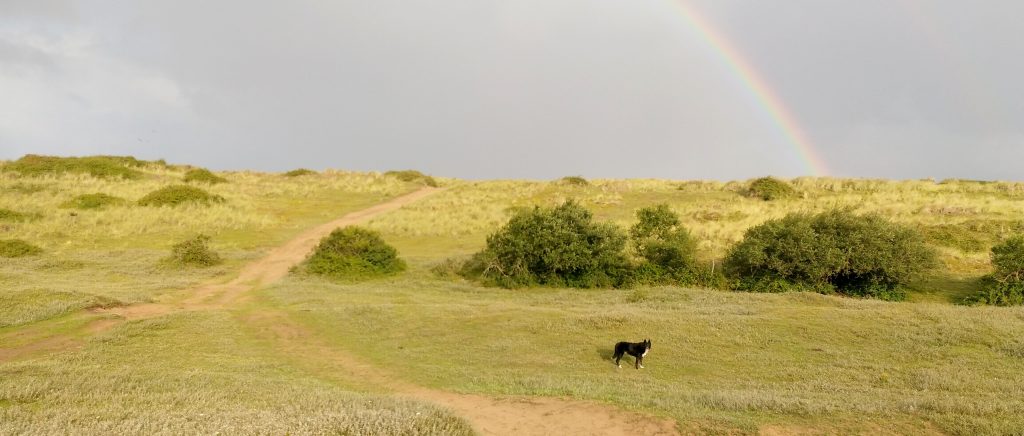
x: 635, y: 349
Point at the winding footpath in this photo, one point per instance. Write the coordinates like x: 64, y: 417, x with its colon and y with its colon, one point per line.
x: 489, y: 415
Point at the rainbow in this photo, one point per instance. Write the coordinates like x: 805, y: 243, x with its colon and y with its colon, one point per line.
x: 762, y: 94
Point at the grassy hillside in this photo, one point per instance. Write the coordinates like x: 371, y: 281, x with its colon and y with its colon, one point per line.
x: 721, y: 361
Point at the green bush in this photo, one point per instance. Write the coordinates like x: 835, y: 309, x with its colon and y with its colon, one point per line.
x: 32, y: 165
x: 354, y: 253
x: 174, y: 195
x: 195, y: 252
x: 299, y: 172
x: 1005, y: 286
x: 202, y: 175
x: 93, y: 201
x: 18, y: 248
x: 665, y: 246
x: 413, y: 176
x: 574, y: 181
x: 560, y: 246
x: 770, y: 188
x: 836, y: 251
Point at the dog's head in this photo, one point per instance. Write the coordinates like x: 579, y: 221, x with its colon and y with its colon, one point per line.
x: 647, y: 344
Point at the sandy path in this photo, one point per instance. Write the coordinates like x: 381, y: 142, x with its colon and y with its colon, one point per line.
x: 488, y: 415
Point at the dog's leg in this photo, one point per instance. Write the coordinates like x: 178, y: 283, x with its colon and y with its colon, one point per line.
x: 640, y: 362
x: 616, y: 357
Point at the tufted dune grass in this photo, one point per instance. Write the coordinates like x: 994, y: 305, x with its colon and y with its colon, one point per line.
x: 721, y: 363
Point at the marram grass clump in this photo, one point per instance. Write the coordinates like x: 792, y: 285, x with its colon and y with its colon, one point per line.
x: 93, y: 201
x: 203, y: 175
x: 770, y: 188
x: 353, y: 253
x: 110, y: 167
x: 194, y: 252
x: 413, y: 176
x: 175, y: 195
x: 299, y: 172
x: 17, y: 248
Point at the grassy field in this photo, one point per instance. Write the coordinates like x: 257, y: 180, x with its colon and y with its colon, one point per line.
x: 721, y: 361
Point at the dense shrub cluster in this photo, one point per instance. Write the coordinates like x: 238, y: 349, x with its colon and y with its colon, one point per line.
x: 770, y: 188
x: 98, y: 166
x: 560, y: 246
x: 354, y: 253
x: 18, y: 248
x: 574, y: 181
x: 1005, y: 286
x: 174, y: 195
x: 93, y: 201
x: 837, y: 251
x: 299, y: 172
x: 413, y: 176
x: 667, y: 250
x: 195, y: 252
x: 203, y: 175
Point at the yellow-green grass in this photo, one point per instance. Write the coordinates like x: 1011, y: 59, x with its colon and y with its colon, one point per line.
x: 721, y: 361
x: 195, y: 373
x: 113, y: 254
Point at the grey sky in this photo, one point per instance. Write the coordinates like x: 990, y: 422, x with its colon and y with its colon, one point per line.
x: 523, y: 89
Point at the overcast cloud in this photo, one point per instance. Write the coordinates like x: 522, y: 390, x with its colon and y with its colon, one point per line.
x: 523, y: 89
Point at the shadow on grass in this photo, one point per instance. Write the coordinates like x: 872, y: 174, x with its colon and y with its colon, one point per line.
x: 945, y: 288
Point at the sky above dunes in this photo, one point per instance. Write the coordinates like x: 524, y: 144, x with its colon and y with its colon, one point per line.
x: 522, y: 89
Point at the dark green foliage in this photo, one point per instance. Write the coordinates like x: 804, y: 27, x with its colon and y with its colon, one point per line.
x: 299, y: 172
x: 560, y: 246
x: 18, y: 248
x: 354, y: 253
x: 93, y: 201
x: 837, y: 251
x: 413, y: 176
x: 174, y: 195
x: 195, y: 252
x: 770, y: 188
x: 575, y: 181
x: 667, y: 250
x: 202, y: 175
x: 1005, y: 286
x: 32, y: 165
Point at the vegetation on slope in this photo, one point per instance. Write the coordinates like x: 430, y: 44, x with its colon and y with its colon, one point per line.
x: 299, y: 172
x: 175, y: 195
x: 1005, y: 286
x: 93, y: 201
x: 202, y: 175
x: 770, y: 188
x: 354, y: 253
x: 835, y: 251
x: 194, y: 252
x: 17, y: 248
x: 112, y: 167
x: 413, y: 176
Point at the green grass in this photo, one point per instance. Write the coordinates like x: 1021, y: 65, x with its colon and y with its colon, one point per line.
x: 112, y: 167
x: 93, y: 201
x: 721, y: 362
x: 137, y: 380
x: 202, y: 175
x: 176, y: 195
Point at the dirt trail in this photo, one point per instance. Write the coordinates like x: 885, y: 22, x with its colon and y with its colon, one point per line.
x: 488, y: 415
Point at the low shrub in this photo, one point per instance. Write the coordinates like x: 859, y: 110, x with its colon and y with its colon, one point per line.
x: 560, y: 246
x: 353, y: 253
x: 413, y: 176
x: 194, y: 252
x: 17, y: 248
x: 93, y: 201
x: 1005, y: 286
x: 122, y: 167
x: 574, y: 181
x: 770, y: 188
x: 836, y: 251
x: 299, y: 172
x: 175, y: 195
x: 202, y: 175
x: 667, y: 250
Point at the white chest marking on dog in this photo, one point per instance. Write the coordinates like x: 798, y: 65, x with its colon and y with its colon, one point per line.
x: 645, y: 352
